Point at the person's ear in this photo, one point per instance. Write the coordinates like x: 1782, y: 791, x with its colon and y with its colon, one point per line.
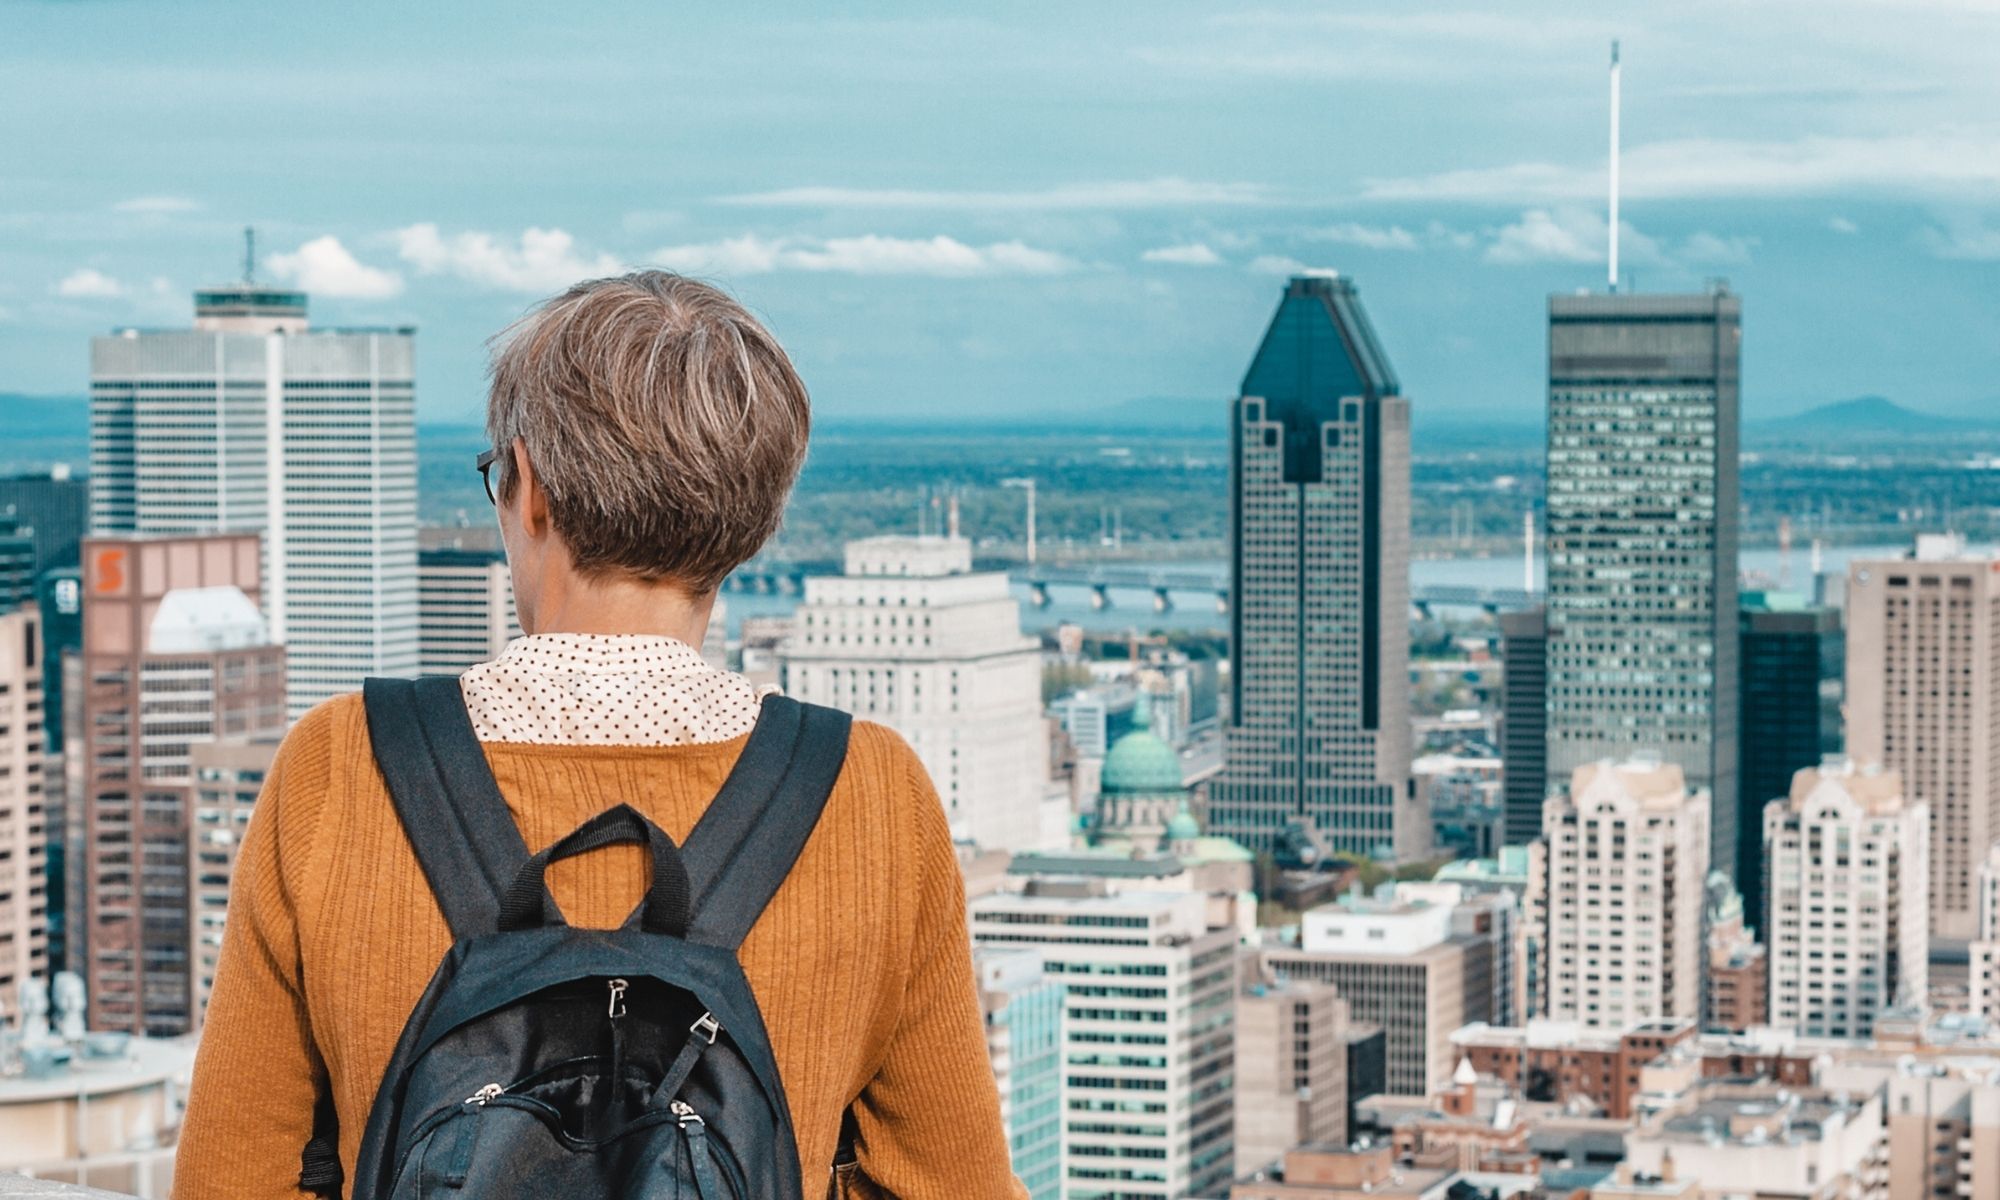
x: 531, y: 504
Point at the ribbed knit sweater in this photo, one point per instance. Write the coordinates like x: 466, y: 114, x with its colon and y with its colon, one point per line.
x: 861, y: 965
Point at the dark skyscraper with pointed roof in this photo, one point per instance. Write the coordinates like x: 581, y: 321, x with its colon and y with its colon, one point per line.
x: 1319, y: 729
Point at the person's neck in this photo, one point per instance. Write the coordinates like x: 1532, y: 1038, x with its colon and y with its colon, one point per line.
x: 626, y: 607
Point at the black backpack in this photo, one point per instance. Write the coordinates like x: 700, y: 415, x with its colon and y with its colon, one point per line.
x: 549, y: 1061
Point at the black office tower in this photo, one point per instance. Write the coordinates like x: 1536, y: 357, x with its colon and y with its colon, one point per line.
x: 1318, y: 741
x: 1524, y: 723
x: 1794, y: 658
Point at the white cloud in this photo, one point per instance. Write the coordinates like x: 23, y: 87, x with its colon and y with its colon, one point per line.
x: 1276, y: 264
x: 1167, y: 192
x: 324, y: 267
x: 1567, y: 234
x: 1842, y: 225
x: 89, y: 283
x: 156, y: 205
x: 541, y: 260
x: 1706, y: 247
x: 1918, y: 163
x: 868, y: 254
x: 1368, y: 237
x: 1964, y: 239
x: 1193, y: 254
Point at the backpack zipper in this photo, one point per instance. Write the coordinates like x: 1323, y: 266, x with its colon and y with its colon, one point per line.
x: 484, y: 1094
x: 616, y: 1009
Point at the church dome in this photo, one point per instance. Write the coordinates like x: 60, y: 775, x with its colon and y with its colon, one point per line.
x: 1183, y: 828
x: 1141, y: 763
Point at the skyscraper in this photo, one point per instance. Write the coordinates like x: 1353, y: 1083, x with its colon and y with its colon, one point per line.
x: 254, y: 421
x: 1923, y: 699
x: 53, y: 508
x: 1642, y: 500
x: 1628, y: 863
x: 176, y: 654
x: 1790, y: 716
x: 1846, y: 929
x: 1318, y: 741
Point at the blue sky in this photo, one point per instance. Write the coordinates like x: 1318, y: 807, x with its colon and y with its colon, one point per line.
x: 972, y: 210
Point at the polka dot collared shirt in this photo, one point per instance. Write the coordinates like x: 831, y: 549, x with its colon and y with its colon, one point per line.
x: 575, y: 689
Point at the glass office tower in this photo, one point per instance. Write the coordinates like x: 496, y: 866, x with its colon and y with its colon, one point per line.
x: 1318, y: 741
x: 1642, y: 510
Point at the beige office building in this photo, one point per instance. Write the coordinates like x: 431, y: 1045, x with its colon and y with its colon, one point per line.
x: 1846, y: 861
x: 1627, y: 862
x: 1398, y: 963
x: 1944, y: 1131
x: 1291, y: 1069
x: 465, y: 608
x: 24, y: 899
x: 1923, y: 699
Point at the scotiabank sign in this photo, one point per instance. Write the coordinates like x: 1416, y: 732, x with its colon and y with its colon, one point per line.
x: 106, y: 571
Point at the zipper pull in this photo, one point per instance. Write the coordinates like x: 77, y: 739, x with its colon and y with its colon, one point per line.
x: 685, y: 1111
x: 617, y: 1007
x: 484, y: 1094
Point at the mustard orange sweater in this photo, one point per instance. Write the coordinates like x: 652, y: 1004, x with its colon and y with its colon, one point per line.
x: 861, y: 965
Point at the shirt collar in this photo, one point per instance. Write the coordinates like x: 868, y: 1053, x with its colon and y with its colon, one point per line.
x: 603, y: 654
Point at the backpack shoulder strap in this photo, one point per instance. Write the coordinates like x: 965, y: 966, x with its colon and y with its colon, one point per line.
x: 744, y: 846
x: 445, y: 796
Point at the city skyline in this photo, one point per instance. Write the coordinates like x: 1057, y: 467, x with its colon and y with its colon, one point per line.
x: 1048, y: 185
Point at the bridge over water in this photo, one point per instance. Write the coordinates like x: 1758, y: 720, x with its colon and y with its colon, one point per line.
x: 1163, y: 583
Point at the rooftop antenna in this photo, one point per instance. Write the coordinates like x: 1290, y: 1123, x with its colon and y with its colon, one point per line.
x: 249, y: 254
x: 1614, y: 165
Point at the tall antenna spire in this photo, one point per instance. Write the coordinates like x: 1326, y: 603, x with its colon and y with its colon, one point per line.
x: 1614, y: 165
x: 249, y: 254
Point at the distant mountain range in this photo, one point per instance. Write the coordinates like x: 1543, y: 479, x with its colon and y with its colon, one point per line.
x: 1872, y: 415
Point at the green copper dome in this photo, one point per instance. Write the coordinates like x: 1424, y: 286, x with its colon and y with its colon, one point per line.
x: 1140, y: 763
x: 1183, y: 828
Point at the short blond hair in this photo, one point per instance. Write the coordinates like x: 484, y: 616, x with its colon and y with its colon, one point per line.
x: 665, y: 423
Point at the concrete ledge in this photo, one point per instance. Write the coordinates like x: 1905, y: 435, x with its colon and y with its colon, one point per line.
x: 20, y: 1185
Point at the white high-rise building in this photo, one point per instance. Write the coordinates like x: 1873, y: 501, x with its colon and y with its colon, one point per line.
x: 254, y: 421
x: 24, y: 898
x: 1627, y: 860
x: 1847, y: 929
x: 913, y: 637
x: 1148, y: 1032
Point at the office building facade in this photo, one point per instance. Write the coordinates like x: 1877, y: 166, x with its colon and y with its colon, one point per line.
x: 465, y: 609
x: 1291, y: 1069
x: 175, y: 653
x: 228, y: 776
x: 1148, y: 1033
x: 1627, y: 868
x: 1524, y: 722
x: 1847, y: 929
x: 1923, y: 700
x: 1792, y: 663
x: 24, y: 832
x: 252, y: 420
x: 53, y: 508
x: 1642, y: 513
x: 1317, y: 755
x: 913, y: 637
x: 1023, y: 1007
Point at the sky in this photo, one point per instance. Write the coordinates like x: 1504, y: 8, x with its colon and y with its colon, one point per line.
x: 975, y: 211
